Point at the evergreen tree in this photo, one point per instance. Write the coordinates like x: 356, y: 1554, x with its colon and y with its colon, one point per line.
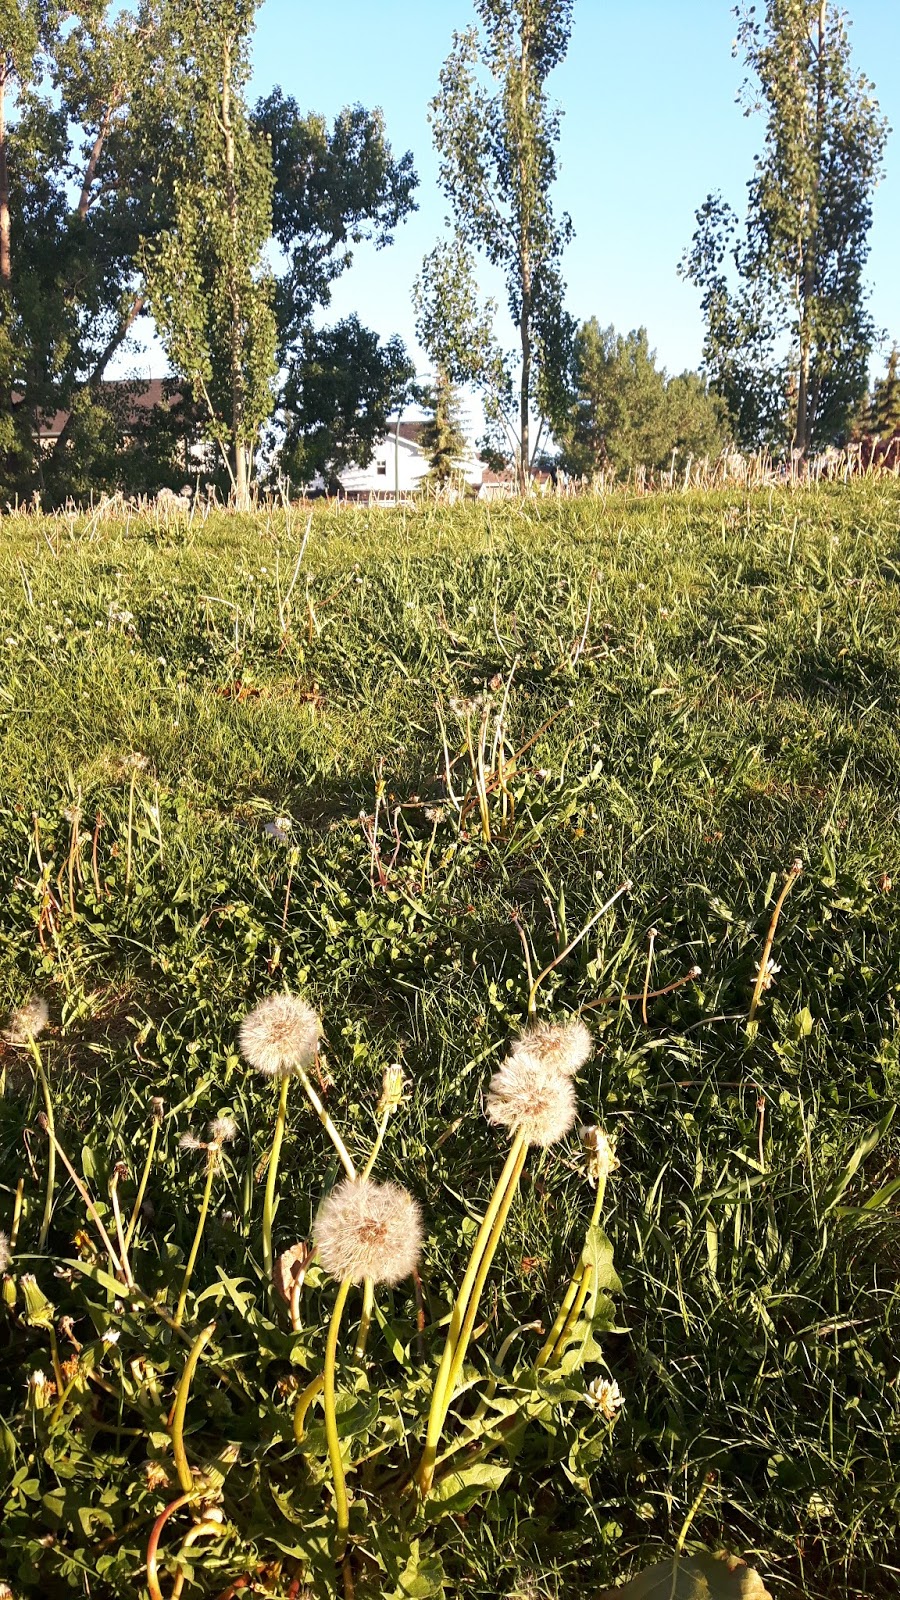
x: 884, y: 419
x: 496, y: 144
x: 626, y: 412
x: 443, y: 438
x: 792, y: 278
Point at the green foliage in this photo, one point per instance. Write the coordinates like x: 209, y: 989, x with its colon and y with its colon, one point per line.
x: 788, y: 334
x: 626, y: 412
x: 209, y: 290
x: 884, y: 416
x: 696, y: 1577
x: 729, y: 704
x: 443, y: 438
x: 341, y: 386
x: 496, y: 143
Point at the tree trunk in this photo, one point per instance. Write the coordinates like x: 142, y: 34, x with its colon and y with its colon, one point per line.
x: 239, y: 451
x: 525, y: 201
x: 805, y: 389
x: 5, y: 252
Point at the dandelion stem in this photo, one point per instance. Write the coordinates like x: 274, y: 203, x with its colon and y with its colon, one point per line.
x: 153, y: 1587
x: 211, y: 1164
x: 331, y: 1429
x: 272, y: 1177
x: 128, y: 847
x: 425, y: 1470
x: 17, y: 1213
x: 379, y: 1140
x: 89, y: 1204
x: 462, y: 1344
x: 575, y: 1312
x: 365, y: 1320
x: 304, y: 1402
x: 120, y: 1236
x: 327, y: 1124
x: 51, y: 1153
x: 142, y: 1186
x: 582, y: 934
x: 793, y: 874
x: 546, y: 1351
x: 649, y: 968
x: 185, y: 1476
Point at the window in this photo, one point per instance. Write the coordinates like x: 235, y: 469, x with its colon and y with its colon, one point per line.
x: 382, y: 469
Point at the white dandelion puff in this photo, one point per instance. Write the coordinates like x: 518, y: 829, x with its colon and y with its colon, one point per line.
x: 280, y: 1036
x: 369, y: 1230
x: 530, y: 1098
x: 561, y: 1047
x: 190, y: 1141
x: 605, y: 1396
x: 221, y: 1130
x: 27, y: 1021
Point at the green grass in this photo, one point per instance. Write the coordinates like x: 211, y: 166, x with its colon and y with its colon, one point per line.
x: 734, y: 705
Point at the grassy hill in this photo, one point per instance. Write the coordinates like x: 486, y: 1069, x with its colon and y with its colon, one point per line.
x: 241, y: 755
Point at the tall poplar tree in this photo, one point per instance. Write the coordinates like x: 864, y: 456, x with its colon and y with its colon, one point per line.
x: 210, y: 292
x: 496, y: 140
x: 788, y: 332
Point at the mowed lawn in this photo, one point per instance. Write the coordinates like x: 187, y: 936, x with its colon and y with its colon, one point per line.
x: 703, y: 687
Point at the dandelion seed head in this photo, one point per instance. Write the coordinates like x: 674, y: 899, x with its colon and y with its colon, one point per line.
x: 605, y: 1396
x: 532, y: 1099
x: 189, y: 1141
x: 27, y: 1021
x: 221, y: 1130
x: 368, y: 1230
x: 280, y: 1036
x: 601, y: 1153
x: 561, y: 1047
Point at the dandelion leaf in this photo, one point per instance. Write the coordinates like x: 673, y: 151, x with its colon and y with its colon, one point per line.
x: 697, y: 1577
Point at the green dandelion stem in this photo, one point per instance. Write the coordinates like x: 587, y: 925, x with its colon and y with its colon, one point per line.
x: 272, y: 1178
x: 142, y: 1186
x: 305, y: 1400
x: 365, y: 1320
x: 341, y: 1505
x: 51, y: 1151
x: 185, y: 1476
x: 425, y: 1470
x: 195, y: 1247
x: 328, y: 1125
x: 547, y: 1348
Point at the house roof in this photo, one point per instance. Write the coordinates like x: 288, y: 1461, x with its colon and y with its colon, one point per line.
x: 133, y: 395
x: 411, y: 431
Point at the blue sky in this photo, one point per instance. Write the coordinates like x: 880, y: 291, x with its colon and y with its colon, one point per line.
x: 650, y: 126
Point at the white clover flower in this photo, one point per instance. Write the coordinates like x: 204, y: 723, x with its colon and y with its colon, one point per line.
x: 770, y: 973
x: 110, y: 1337
x: 605, y: 1396
x: 369, y: 1230
x: 280, y: 1036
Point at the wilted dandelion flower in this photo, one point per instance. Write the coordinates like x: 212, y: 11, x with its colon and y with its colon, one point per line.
x: 769, y: 973
x: 605, y: 1396
x: 393, y: 1085
x: 221, y: 1130
x: 532, y: 1099
x: 27, y: 1021
x: 368, y: 1230
x: 601, y: 1154
x: 157, y: 1108
x: 561, y: 1047
x: 5, y: 1252
x: 280, y: 1036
